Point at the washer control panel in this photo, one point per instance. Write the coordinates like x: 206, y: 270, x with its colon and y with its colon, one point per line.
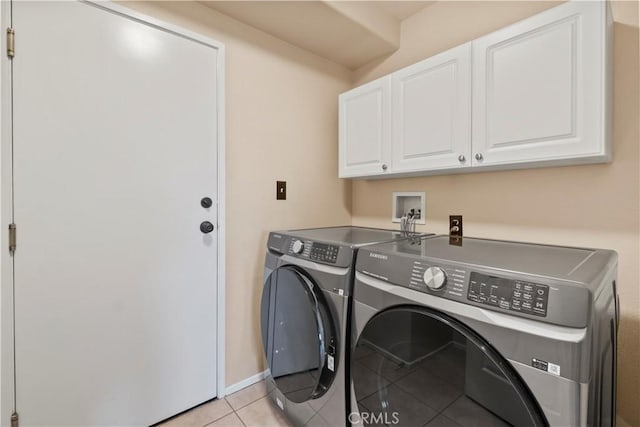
x: 434, y: 277
x: 513, y: 295
x: 323, y: 252
x: 457, y: 283
x: 469, y: 276
x: 449, y: 280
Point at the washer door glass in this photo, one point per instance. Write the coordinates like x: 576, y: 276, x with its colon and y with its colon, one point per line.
x: 419, y: 367
x: 298, y: 334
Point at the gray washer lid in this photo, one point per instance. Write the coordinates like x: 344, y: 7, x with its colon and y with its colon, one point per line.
x: 559, y: 262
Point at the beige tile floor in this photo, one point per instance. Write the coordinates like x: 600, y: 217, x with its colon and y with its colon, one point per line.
x: 248, y: 407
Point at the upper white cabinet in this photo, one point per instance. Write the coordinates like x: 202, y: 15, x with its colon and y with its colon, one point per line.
x: 539, y: 88
x: 431, y: 112
x: 535, y: 93
x: 365, y: 129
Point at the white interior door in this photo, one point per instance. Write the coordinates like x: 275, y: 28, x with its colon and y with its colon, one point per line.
x: 115, y: 284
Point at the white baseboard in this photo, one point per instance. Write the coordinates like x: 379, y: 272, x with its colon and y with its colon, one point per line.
x: 245, y: 383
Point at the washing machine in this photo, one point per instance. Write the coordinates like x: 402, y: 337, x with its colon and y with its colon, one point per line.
x: 478, y: 332
x: 308, y: 280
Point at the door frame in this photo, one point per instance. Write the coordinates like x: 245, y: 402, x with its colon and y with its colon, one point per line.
x: 7, y: 339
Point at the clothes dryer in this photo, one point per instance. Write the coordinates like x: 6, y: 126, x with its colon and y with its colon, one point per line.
x: 308, y: 280
x: 486, y: 333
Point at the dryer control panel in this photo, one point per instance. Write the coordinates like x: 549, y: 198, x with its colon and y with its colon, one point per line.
x: 319, y: 252
x: 324, y: 252
x: 513, y: 295
x: 314, y: 251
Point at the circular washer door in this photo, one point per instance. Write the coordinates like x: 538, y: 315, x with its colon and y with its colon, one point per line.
x: 418, y: 366
x: 298, y: 334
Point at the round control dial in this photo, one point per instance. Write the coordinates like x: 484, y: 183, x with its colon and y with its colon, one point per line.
x: 434, y: 278
x: 298, y: 246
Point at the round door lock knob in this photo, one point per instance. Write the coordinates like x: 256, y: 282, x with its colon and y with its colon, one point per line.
x: 206, y: 227
x: 298, y: 247
x: 206, y: 202
x: 435, y: 278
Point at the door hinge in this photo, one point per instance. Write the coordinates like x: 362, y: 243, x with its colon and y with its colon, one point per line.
x: 14, y: 419
x: 11, y: 42
x: 12, y: 238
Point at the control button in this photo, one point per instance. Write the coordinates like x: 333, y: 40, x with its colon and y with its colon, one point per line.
x: 516, y: 303
x: 540, y: 292
x: 526, y: 305
x: 539, y: 305
x: 527, y: 296
x: 528, y: 288
x: 517, y: 294
x: 298, y: 246
x: 434, y: 278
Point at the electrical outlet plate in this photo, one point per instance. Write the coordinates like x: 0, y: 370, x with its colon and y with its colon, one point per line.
x: 404, y: 201
x: 455, y: 225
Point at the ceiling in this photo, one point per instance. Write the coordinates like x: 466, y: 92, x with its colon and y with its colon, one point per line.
x: 350, y: 33
x: 401, y: 9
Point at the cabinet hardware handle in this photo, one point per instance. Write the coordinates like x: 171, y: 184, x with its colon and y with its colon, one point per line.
x: 384, y: 167
x: 462, y: 158
x: 479, y: 157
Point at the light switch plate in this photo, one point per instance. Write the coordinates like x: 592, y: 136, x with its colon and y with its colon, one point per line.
x: 281, y: 190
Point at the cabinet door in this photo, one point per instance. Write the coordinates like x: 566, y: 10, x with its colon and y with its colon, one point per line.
x: 431, y: 104
x: 365, y: 129
x: 539, y: 89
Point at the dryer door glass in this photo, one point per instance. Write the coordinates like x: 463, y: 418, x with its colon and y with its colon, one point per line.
x: 415, y: 366
x: 298, y: 335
